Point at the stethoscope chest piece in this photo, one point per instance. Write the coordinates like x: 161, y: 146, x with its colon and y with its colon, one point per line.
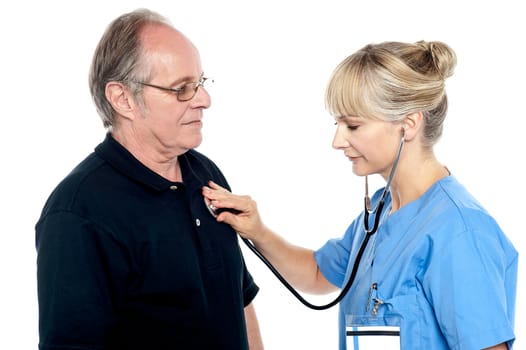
x: 211, y: 208
x: 216, y: 211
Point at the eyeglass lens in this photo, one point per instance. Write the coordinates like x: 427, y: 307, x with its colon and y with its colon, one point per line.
x: 188, y: 91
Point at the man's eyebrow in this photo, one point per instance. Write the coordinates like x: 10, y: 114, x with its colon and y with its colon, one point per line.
x: 188, y: 78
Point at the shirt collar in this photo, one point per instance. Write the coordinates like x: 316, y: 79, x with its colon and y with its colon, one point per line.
x: 123, y: 161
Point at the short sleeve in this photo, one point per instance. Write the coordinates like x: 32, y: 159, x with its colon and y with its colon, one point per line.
x: 333, y: 257
x: 469, y: 285
x: 76, y: 266
x: 250, y: 288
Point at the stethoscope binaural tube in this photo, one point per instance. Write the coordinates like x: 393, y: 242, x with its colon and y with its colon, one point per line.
x: 368, y: 233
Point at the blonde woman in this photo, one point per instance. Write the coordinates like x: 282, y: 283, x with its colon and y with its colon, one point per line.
x: 430, y: 267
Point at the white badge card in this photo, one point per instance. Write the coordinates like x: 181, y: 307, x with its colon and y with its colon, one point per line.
x: 373, y: 337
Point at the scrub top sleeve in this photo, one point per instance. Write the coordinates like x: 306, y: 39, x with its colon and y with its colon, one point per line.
x: 332, y: 259
x: 76, y: 263
x: 466, y: 283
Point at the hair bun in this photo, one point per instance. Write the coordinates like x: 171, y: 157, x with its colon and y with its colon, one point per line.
x: 443, y: 57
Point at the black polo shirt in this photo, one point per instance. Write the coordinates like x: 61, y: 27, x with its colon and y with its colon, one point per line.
x: 130, y: 260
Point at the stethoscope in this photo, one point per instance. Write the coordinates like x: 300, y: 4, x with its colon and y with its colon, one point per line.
x: 369, y: 232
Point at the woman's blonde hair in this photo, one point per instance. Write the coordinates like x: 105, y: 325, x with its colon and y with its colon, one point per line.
x: 390, y: 80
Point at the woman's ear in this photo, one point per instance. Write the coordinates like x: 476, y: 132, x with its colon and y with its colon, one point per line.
x: 120, y: 99
x: 412, y: 124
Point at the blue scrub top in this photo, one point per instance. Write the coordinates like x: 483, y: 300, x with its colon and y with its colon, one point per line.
x: 441, y: 267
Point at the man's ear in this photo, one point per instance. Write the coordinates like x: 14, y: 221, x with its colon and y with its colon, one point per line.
x: 120, y: 99
x: 412, y: 124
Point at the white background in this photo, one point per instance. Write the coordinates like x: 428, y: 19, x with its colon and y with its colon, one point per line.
x: 267, y: 128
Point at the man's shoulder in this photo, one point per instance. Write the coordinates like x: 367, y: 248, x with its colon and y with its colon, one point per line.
x: 74, y: 183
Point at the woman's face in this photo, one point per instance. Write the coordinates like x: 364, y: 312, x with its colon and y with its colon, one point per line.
x: 371, y: 145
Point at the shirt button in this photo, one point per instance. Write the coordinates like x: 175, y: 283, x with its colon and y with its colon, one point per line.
x: 197, y: 222
x: 173, y: 187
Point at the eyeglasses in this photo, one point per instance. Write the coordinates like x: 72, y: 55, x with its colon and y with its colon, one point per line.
x: 185, y: 92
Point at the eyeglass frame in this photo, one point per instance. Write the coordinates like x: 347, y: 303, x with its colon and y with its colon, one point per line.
x: 178, y: 91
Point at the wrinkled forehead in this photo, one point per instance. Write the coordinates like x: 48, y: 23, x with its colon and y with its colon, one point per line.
x: 168, y: 52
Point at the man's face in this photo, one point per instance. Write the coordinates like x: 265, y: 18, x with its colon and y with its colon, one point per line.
x: 169, y: 125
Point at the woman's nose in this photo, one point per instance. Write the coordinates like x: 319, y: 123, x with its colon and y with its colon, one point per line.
x: 339, y: 141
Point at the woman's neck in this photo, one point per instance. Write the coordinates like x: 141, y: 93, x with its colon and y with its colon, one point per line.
x: 410, y: 184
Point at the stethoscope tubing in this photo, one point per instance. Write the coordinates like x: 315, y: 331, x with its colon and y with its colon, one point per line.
x: 296, y: 294
x: 368, y: 234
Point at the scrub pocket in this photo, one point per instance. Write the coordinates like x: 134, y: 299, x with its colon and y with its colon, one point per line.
x: 372, y: 333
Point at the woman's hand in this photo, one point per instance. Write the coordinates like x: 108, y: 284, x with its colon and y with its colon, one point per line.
x: 240, y: 212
